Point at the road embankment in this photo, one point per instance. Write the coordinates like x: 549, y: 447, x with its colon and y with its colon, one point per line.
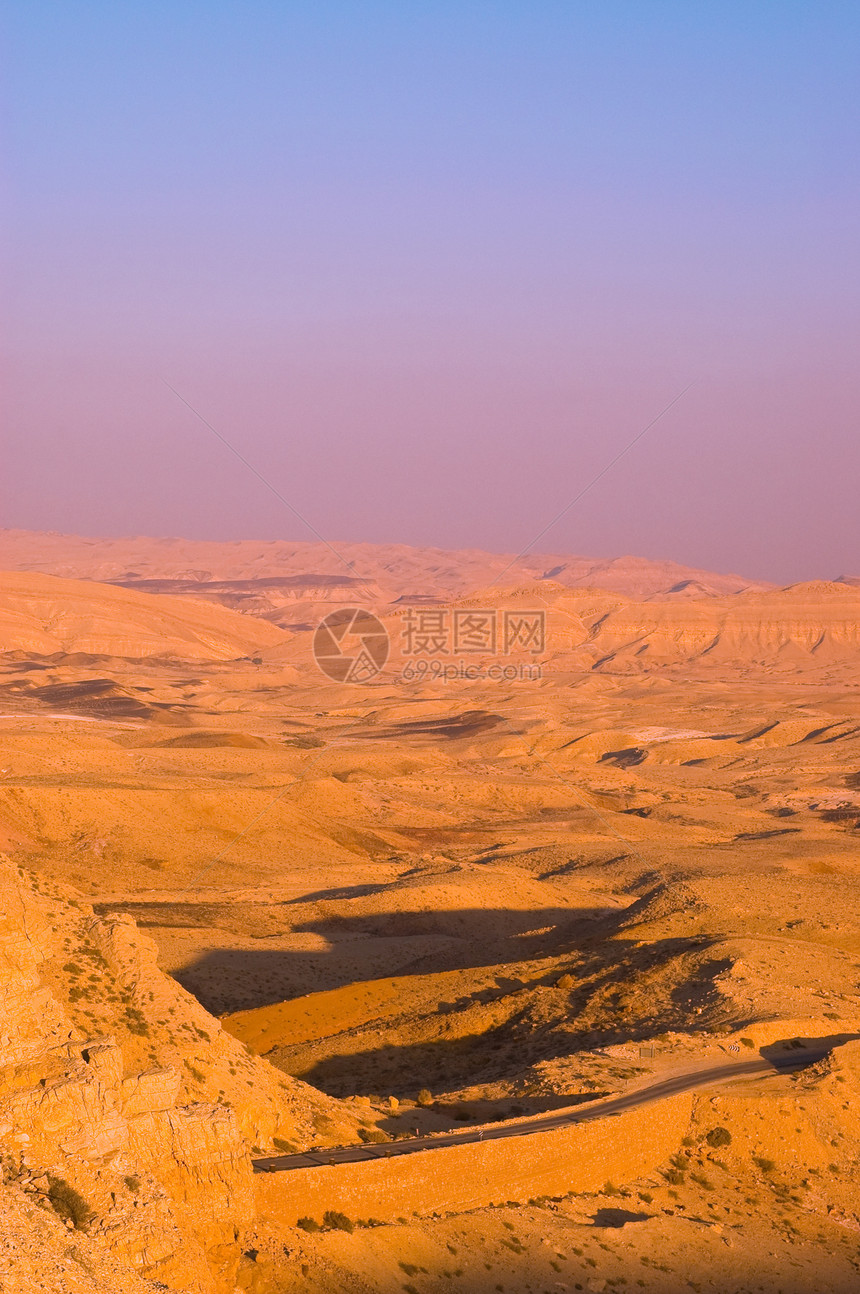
x: 576, y: 1157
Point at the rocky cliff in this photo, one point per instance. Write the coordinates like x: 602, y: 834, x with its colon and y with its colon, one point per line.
x: 127, y: 1117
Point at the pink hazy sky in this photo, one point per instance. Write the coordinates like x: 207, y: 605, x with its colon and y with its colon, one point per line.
x: 431, y: 267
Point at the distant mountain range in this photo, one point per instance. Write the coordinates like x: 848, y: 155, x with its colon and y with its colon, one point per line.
x: 271, y: 579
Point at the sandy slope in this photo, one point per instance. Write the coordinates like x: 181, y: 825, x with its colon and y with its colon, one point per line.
x: 42, y: 614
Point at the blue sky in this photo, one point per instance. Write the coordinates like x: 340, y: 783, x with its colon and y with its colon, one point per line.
x: 430, y: 266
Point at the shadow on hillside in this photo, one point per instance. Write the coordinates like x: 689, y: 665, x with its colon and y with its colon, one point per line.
x: 342, y: 893
x: 563, y: 984
x: 800, y: 1051
x: 618, y: 1217
x: 499, y: 1111
x: 444, y: 1064
x: 380, y: 945
x: 403, y: 1071
x: 441, y: 1065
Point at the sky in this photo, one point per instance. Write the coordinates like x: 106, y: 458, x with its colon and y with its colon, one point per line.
x: 431, y: 268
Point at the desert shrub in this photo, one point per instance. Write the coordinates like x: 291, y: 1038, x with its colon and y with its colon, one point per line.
x: 843, y: 813
x: 69, y: 1204
x: 135, y: 1021
x: 308, y: 1224
x: 324, y: 1125
x: 425, y: 1097
x: 338, y: 1221
x: 609, y: 1188
x: 375, y: 1135
x: 747, y: 1042
x: 132, y: 1182
x: 286, y: 1146
x: 766, y: 1165
x: 674, y: 1176
x: 719, y: 1137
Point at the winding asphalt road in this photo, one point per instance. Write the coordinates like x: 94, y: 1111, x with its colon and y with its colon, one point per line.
x: 605, y: 1109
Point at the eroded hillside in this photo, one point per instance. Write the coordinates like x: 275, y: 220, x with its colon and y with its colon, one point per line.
x: 127, y: 1116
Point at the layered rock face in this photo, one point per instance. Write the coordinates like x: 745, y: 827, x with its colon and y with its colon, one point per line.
x: 126, y: 1115
x: 804, y: 626
x: 164, y: 1185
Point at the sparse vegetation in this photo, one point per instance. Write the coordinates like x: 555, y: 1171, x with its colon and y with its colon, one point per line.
x: 373, y: 1136
x: 338, y: 1221
x: 69, y: 1204
x: 136, y: 1022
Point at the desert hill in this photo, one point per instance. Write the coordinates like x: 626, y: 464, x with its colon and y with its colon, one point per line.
x: 810, y: 627
x: 43, y: 615
x: 804, y: 625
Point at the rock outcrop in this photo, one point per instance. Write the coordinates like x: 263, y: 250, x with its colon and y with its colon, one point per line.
x: 126, y: 1114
